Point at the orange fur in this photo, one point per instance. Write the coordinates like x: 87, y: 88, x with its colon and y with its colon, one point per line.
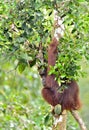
x: 69, y: 98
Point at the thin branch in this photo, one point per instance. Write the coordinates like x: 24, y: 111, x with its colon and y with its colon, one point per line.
x: 78, y: 119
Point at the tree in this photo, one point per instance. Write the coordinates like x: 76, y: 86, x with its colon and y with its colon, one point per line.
x: 27, y: 26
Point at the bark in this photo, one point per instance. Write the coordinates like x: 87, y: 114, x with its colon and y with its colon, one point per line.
x: 60, y: 122
x: 79, y: 120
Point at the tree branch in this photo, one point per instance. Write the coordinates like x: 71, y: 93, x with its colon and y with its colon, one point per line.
x: 60, y: 122
x: 78, y: 119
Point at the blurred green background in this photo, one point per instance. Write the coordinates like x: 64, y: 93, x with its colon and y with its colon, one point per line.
x: 22, y: 106
x: 84, y: 93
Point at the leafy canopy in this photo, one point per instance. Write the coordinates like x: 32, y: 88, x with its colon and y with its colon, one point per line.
x: 25, y: 24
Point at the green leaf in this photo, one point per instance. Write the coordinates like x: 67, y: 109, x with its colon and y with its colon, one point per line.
x: 81, y: 0
x: 32, y: 63
x: 21, y: 66
x: 46, y: 119
x: 57, y: 109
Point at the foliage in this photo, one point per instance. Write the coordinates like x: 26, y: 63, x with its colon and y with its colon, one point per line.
x: 27, y: 24
x: 24, y: 26
x: 75, y: 43
x: 21, y: 103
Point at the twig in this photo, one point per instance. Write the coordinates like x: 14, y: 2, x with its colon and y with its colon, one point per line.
x: 78, y: 119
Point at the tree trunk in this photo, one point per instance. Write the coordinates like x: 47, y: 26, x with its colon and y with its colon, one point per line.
x: 60, y: 122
